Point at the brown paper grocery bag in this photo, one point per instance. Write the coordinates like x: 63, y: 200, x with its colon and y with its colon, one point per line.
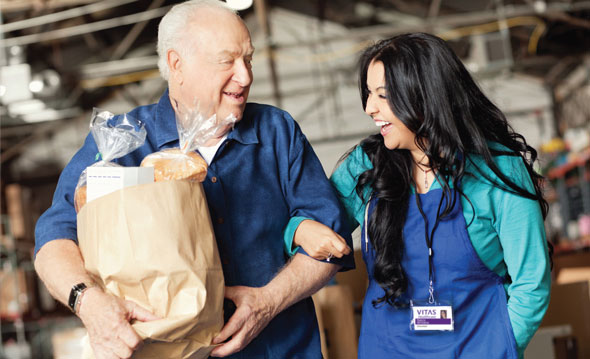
x: 153, y: 244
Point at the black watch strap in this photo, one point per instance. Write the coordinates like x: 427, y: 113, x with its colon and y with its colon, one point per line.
x: 74, y: 293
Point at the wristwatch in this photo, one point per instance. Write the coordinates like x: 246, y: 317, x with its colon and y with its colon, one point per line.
x: 76, y: 295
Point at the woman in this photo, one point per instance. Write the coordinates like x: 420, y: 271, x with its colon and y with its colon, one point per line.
x: 451, y: 212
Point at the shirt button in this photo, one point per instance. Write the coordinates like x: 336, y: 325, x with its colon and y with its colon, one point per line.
x: 220, y: 220
x: 213, y: 179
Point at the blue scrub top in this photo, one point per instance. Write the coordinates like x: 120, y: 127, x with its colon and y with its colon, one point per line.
x: 482, y: 327
x: 263, y: 174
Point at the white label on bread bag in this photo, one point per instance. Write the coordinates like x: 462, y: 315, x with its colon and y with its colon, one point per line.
x: 104, y: 180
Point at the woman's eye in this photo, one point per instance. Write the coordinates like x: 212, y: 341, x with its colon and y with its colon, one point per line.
x: 383, y: 96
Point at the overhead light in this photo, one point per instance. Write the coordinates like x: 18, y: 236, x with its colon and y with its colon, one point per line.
x: 16, y: 55
x: 36, y: 85
x: 540, y: 6
x: 239, y: 4
x: 45, y: 83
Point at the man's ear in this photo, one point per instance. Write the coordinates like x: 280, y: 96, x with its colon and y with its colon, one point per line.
x: 175, y: 65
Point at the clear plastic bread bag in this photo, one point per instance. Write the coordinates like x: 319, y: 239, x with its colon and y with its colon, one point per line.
x: 195, y: 129
x: 115, y: 136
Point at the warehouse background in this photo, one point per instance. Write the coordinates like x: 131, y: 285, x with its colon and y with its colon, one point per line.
x: 61, y: 58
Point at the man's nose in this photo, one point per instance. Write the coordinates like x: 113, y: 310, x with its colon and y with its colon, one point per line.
x: 242, y: 74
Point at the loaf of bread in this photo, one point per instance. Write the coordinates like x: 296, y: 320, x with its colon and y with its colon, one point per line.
x: 80, y: 198
x: 173, y: 164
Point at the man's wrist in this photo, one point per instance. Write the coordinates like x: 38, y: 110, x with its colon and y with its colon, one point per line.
x: 273, y: 301
x: 76, y: 295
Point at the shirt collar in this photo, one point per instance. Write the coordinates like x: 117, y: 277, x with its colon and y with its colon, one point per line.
x: 166, y: 131
x: 244, y: 131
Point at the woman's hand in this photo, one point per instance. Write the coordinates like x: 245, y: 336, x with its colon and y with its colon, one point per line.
x: 320, y: 241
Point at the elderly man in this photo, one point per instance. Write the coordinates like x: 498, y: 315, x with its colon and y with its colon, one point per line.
x: 262, y: 173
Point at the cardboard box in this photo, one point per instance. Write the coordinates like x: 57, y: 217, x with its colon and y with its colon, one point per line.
x: 18, y: 206
x: 337, y: 318
x: 542, y: 345
x: 356, y: 280
x: 67, y: 343
x: 572, y: 275
x: 16, y: 293
x: 322, y: 329
x: 577, y: 259
x: 570, y: 305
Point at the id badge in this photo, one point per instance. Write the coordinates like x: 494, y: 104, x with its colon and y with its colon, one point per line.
x: 431, y: 316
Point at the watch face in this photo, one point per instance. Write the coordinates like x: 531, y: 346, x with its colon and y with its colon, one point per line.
x: 74, y: 293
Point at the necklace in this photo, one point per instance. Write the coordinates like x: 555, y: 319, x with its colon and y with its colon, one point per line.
x: 424, y: 169
x: 425, y: 176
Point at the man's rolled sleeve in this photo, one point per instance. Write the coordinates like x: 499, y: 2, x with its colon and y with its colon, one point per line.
x: 311, y: 195
x: 59, y: 221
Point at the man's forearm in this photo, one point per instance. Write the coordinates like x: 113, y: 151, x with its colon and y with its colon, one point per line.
x: 106, y: 318
x: 300, y: 278
x: 59, y: 264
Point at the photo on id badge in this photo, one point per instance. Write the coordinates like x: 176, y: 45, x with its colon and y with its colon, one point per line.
x: 431, y: 316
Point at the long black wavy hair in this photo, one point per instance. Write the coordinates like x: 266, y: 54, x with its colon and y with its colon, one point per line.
x: 435, y: 97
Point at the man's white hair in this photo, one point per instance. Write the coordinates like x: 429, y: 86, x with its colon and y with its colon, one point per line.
x: 173, y: 29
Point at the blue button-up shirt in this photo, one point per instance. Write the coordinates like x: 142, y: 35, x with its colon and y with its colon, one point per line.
x: 263, y: 174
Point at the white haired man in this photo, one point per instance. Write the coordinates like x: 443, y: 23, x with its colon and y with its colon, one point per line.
x: 262, y: 173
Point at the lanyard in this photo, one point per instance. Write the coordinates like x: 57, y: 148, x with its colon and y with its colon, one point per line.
x: 367, y: 224
x: 429, y: 240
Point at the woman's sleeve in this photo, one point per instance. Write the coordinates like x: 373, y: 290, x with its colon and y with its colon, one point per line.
x: 344, y: 181
x: 520, y: 227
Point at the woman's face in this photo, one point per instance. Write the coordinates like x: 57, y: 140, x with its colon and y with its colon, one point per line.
x: 395, y: 134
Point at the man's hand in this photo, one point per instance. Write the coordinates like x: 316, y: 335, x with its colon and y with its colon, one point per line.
x: 320, y: 241
x: 107, y: 318
x: 254, y: 310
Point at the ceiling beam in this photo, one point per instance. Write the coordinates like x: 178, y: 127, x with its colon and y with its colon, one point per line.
x: 62, y: 15
x: 575, y: 21
x: 132, y: 35
x: 85, y: 28
x: 445, y: 22
x: 22, y: 5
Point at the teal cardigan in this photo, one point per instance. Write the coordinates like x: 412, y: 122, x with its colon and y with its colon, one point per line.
x: 506, y: 231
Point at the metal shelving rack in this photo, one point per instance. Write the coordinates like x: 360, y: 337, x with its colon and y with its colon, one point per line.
x: 9, y: 263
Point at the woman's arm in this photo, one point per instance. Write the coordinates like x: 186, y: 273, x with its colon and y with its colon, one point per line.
x: 519, y: 223
x: 318, y: 242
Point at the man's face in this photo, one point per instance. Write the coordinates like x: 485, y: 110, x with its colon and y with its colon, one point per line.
x: 217, y: 74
